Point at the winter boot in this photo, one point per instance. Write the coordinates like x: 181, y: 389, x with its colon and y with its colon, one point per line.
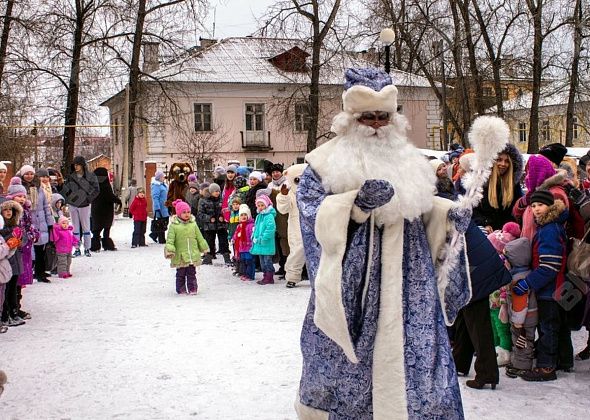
x: 267, y: 278
x: 87, y: 253
x: 584, y: 354
x: 108, y: 244
x: 77, y: 253
x: 539, y: 375
x: 207, y: 260
x: 227, y: 259
x: 95, y: 243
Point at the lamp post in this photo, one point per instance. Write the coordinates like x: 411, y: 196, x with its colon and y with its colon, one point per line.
x: 387, y: 36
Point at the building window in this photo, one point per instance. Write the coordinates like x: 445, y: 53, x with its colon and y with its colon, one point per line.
x: 488, y: 91
x: 301, y: 117
x: 254, y: 117
x: 575, y: 126
x: 204, y: 168
x: 255, y: 163
x: 202, y: 117
x: 522, y: 132
x: 504, y: 93
x: 546, y: 131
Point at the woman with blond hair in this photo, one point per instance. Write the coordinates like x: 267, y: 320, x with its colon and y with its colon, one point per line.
x: 501, y: 192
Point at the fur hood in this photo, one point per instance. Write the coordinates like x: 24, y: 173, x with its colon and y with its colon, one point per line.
x: 556, y: 213
x: 17, y: 212
x: 517, y: 161
x: 556, y: 180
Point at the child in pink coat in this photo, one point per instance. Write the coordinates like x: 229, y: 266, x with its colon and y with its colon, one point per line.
x: 65, y: 241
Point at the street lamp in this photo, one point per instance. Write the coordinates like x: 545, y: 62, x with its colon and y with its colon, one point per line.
x: 387, y: 36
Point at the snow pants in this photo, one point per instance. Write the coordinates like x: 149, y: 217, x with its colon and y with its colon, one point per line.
x: 139, y: 228
x: 81, y: 219
x: 554, y: 346
x: 10, y: 306
x: 186, y: 279
x: 64, y: 261
x: 501, y: 331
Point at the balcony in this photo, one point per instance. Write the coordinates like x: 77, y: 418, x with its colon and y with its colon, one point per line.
x: 256, y: 140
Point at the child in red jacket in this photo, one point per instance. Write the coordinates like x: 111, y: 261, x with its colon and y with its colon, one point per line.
x: 138, y: 210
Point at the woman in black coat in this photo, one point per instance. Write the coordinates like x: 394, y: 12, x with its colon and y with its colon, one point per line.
x: 103, y: 212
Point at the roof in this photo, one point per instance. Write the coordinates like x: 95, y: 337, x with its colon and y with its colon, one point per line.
x: 551, y: 95
x: 247, y: 60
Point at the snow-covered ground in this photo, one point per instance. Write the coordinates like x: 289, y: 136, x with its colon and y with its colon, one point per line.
x: 115, y: 341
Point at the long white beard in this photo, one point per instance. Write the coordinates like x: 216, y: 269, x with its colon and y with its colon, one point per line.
x: 365, y: 153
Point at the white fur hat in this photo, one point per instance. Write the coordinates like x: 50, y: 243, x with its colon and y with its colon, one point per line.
x: 361, y: 98
x: 467, y: 161
x: 257, y: 175
x: 3, y: 167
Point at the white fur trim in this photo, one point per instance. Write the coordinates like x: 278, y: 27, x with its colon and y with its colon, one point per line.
x: 361, y: 98
x: 305, y: 412
x: 358, y: 215
x: 331, y: 229
x: 389, y: 390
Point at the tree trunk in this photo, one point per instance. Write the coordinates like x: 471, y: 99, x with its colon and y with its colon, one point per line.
x: 134, y: 86
x: 537, y: 13
x: 73, y: 99
x: 5, y: 34
x: 462, y: 98
x: 574, y: 77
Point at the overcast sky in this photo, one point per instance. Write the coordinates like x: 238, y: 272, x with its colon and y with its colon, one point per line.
x: 236, y: 17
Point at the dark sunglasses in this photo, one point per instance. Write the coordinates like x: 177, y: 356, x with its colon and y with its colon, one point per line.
x: 375, y: 116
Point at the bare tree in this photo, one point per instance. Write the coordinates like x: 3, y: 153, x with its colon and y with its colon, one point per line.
x: 6, y: 22
x: 320, y: 17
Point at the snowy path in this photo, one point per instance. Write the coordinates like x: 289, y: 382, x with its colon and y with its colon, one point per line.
x: 115, y: 341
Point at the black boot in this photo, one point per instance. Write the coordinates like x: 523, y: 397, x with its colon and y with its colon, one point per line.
x: 584, y: 354
x: 207, y: 260
x: 227, y: 259
x: 108, y: 244
x: 95, y: 243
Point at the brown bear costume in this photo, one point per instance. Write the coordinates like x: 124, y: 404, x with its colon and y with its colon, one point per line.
x: 178, y: 176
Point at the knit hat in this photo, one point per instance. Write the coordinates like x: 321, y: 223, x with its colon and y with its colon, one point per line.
x: 542, y: 196
x: 192, y: 178
x: 26, y: 168
x: 539, y: 169
x: 3, y: 167
x: 232, y: 168
x: 193, y: 185
x: 243, y: 171
x: 15, y: 188
x: 257, y: 175
x: 554, y: 152
x: 159, y: 176
x: 204, y: 185
x: 512, y: 228
x: 264, y: 199
x: 214, y: 188
x: 244, y: 209
x: 42, y: 172
x: 264, y: 191
x: 519, y: 252
x: 240, y: 182
x: 499, y: 238
x: 368, y: 89
x: 140, y: 190
x: 583, y: 161
x: 63, y: 219
x: 180, y: 206
x: 219, y: 170
x: 435, y: 163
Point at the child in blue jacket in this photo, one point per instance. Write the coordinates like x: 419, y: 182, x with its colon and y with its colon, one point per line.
x: 547, y: 279
x: 263, y: 238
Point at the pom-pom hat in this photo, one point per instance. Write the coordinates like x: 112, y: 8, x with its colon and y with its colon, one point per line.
x: 555, y: 152
x: 180, y: 206
x: 244, y: 209
x: 15, y: 188
x: 26, y: 169
x: 368, y: 89
x: 257, y: 175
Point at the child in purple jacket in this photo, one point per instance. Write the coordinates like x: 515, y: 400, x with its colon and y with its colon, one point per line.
x: 65, y: 241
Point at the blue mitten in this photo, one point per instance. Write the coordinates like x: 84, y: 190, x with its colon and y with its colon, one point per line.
x: 461, y: 216
x: 373, y: 194
x: 520, y: 288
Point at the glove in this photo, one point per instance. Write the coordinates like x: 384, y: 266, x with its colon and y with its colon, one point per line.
x: 373, y: 194
x: 462, y: 217
x: 17, y: 232
x: 520, y: 288
x: 13, y: 242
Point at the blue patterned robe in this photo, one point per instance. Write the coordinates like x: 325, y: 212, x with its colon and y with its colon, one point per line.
x: 419, y: 379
